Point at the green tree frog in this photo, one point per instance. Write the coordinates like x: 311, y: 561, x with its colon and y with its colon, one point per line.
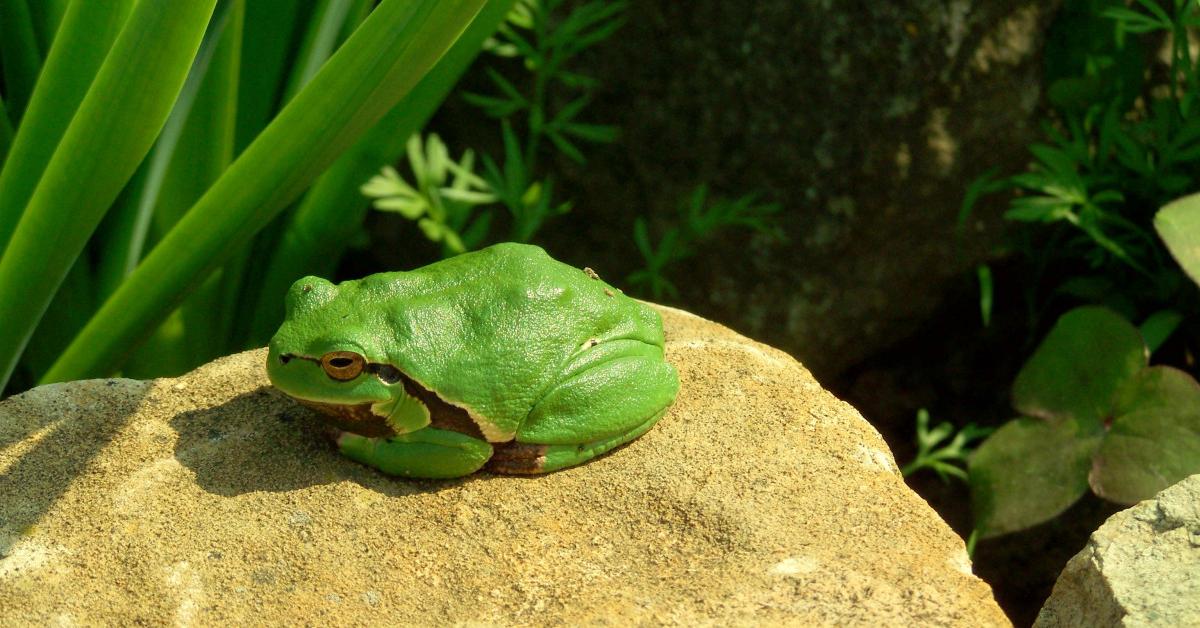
x: 501, y: 357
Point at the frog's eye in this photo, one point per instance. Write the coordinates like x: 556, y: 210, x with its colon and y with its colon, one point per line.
x: 342, y: 365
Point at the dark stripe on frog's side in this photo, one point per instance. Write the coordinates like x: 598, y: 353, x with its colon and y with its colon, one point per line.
x: 356, y: 418
x: 518, y: 458
x: 359, y: 419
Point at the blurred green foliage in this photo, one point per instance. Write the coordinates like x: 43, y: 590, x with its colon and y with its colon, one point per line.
x: 1122, y: 141
x: 538, y: 105
x: 700, y: 219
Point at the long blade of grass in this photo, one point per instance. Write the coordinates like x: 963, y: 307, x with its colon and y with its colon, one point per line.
x: 243, y: 278
x: 109, y: 136
x: 47, y: 15
x: 326, y: 29
x: 87, y: 32
x: 384, y: 59
x: 359, y: 11
x: 130, y: 221
x: 320, y: 39
x: 318, y: 232
x: 267, y: 40
x: 6, y: 137
x: 69, y: 311
x: 22, y: 58
x: 195, y: 147
x: 205, y: 153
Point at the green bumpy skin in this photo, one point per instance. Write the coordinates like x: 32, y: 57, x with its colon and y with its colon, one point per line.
x: 501, y: 357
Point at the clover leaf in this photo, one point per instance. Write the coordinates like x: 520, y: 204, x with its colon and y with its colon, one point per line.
x: 1095, y: 415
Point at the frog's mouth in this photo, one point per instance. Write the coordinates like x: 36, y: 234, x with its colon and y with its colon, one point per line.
x: 357, y: 418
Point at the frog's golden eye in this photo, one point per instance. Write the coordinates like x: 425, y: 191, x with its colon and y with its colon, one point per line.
x: 342, y: 365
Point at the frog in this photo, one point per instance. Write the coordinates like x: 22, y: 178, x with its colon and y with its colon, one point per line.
x: 501, y: 359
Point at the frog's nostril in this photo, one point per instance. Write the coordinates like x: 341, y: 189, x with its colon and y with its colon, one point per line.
x: 285, y: 358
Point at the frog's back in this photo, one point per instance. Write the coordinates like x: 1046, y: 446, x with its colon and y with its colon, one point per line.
x: 490, y: 330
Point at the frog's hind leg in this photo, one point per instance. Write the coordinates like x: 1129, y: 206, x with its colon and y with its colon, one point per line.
x: 527, y: 458
x: 610, y: 394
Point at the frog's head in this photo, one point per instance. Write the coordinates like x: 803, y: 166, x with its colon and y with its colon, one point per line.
x: 329, y: 349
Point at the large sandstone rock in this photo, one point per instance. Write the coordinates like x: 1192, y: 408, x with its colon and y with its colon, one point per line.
x: 211, y: 499
x: 1141, y: 568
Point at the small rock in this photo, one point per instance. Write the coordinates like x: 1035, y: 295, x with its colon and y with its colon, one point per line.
x: 1141, y: 568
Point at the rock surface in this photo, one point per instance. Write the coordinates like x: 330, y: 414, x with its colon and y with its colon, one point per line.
x: 1141, y: 568
x: 211, y: 499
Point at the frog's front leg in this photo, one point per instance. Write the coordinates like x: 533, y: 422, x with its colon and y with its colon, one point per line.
x: 425, y: 453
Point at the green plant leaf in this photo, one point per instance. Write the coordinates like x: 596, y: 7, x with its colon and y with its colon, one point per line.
x: 411, y: 208
x: 1075, y: 92
x: 1028, y: 472
x: 384, y: 59
x: 641, y: 238
x: 493, y: 106
x: 130, y: 221
x: 469, y: 197
x: 1057, y: 161
x: 112, y: 131
x: 1178, y: 224
x: 566, y: 147
x: 1154, y: 440
x: 506, y: 87
x: 82, y: 43
x: 22, y: 58
x: 1074, y: 374
x: 1037, y: 209
x: 47, y: 15
x: 1135, y: 22
x: 204, y: 152
x: 1158, y: 12
x: 986, y: 183
x: 320, y: 38
x: 1158, y: 327
x: 267, y: 43
x: 6, y: 135
x: 983, y: 273
x: 601, y: 133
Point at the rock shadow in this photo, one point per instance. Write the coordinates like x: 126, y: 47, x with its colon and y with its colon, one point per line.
x: 264, y: 441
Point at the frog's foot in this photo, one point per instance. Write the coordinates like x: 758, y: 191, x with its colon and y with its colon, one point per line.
x: 526, y: 458
x: 425, y: 453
